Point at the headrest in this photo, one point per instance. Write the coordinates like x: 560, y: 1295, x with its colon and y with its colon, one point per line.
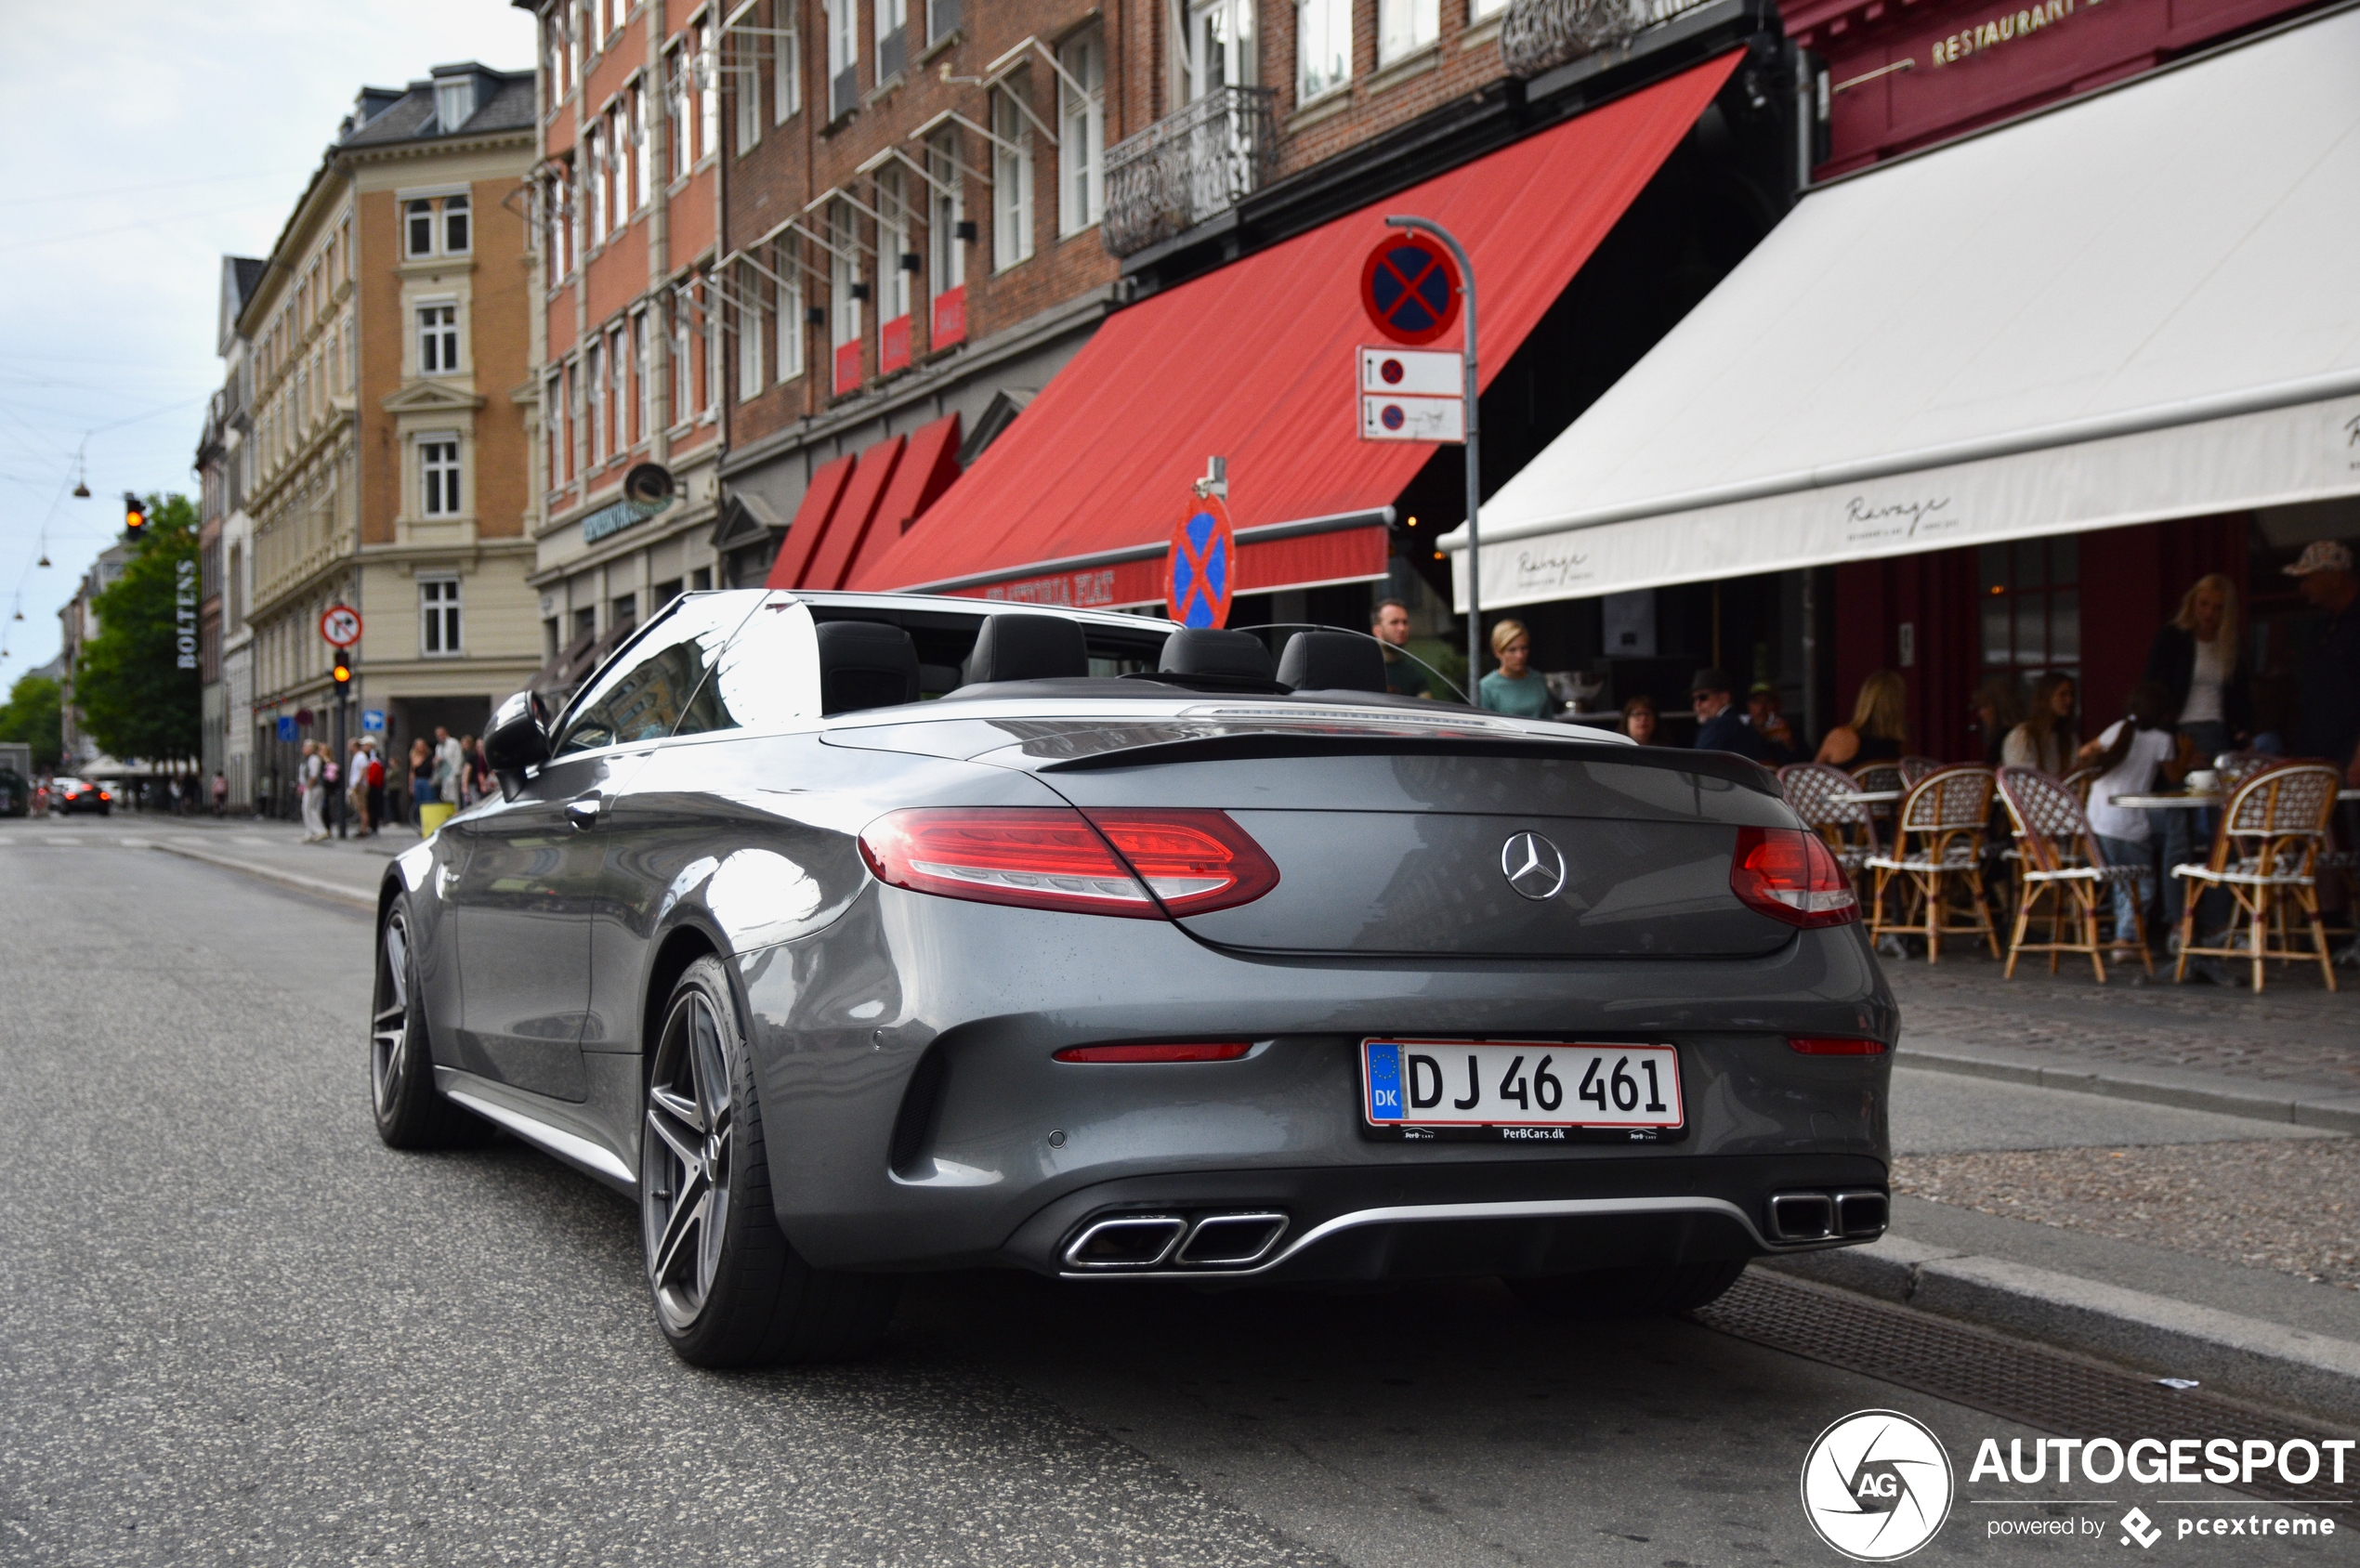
x: 865, y: 664
x: 1332, y: 661
x: 1201, y: 650
x: 1019, y: 646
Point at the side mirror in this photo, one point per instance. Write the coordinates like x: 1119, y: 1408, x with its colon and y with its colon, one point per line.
x: 517, y: 739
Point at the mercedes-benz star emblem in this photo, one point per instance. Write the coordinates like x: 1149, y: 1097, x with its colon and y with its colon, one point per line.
x: 1533, y: 866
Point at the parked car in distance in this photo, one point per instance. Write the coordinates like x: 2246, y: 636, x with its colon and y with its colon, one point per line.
x: 16, y: 793
x: 70, y: 795
x: 855, y: 935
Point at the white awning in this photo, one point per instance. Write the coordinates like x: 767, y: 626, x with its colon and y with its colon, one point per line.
x: 2142, y: 304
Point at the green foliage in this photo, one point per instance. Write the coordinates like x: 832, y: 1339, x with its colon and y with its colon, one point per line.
x: 137, y: 686
x: 31, y: 715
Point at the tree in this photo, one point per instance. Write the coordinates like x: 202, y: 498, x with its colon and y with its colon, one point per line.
x: 33, y: 715
x: 138, y: 685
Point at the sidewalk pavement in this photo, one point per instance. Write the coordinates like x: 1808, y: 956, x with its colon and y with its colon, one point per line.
x: 346, y: 870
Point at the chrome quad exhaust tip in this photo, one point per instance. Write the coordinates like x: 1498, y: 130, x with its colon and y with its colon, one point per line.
x: 1212, y: 1243
x: 1845, y: 1216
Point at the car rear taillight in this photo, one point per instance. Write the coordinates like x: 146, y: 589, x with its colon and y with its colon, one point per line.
x: 1133, y: 862
x: 1228, y: 1050
x: 1791, y: 875
x: 1834, y: 1045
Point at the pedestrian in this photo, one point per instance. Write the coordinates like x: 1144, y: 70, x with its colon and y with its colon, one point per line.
x: 356, y: 787
x: 479, y: 772
x: 2047, y: 737
x: 1767, y: 716
x: 221, y: 794
x: 2194, y: 657
x: 2128, y: 757
x: 1998, y: 706
x: 1721, y: 724
x: 449, y: 764
x: 2328, y: 697
x: 421, y: 780
x: 1879, y: 727
x: 1404, y: 676
x: 310, y: 778
x: 376, y: 787
x: 1640, y: 720
x: 1515, y: 688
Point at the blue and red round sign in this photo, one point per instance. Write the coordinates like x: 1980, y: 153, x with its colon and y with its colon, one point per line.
x: 1200, y: 570
x: 1409, y: 287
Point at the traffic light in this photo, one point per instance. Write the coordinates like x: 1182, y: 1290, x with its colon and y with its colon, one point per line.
x: 341, y: 672
x: 135, y: 515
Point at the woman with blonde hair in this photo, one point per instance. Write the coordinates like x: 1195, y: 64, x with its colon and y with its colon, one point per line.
x: 2194, y: 657
x: 2046, y: 739
x: 1879, y: 727
x: 1515, y: 688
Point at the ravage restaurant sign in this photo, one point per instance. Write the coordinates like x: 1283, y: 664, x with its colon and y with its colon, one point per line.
x: 2002, y: 29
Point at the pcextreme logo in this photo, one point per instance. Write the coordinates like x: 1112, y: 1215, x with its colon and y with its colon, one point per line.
x: 1877, y: 1485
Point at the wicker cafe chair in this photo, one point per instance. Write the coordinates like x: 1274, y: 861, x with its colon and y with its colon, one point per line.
x: 2064, y: 872
x: 1937, y: 855
x: 1915, y: 769
x: 1820, y: 795
x: 2077, y: 784
x: 2265, y: 855
x: 2235, y: 767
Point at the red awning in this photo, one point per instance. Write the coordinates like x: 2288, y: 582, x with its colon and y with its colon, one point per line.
x: 1075, y: 502
x: 810, y: 523
x: 926, y: 469
x: 833, y: 556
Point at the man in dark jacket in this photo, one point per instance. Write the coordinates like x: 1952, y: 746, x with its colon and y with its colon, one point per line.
x: 1720, y: 725
x: 2330, y: 694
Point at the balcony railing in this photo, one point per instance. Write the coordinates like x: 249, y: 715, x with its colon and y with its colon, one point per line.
x: 1540, y: 35
x: 1189, y: 167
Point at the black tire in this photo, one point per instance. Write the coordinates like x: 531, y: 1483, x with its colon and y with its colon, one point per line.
x: 1603, y: 1294
x: 410, y: 1114
x: 729, y: 1289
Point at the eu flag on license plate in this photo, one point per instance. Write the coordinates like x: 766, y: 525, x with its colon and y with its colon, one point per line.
x: 1385, y: 1082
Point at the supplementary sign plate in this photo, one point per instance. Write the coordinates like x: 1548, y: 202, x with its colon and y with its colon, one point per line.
x: 1519, y: 1090
x: 1412, y: 419
x: 1412, y: 372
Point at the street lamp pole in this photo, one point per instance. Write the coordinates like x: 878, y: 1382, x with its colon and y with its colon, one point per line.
x: 1474, y: 448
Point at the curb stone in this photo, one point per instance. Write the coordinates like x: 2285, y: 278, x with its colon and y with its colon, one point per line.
x: 2245, y: 1356
x: 2301, y: 1104
x: 351, y: 896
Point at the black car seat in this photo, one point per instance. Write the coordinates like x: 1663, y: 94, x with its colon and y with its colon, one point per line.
x: 1019, y: 645
x: 865, y: 664
x: 1332, y: 661
x: 1203, y: 650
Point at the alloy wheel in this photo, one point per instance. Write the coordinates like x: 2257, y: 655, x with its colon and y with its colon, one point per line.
x: 389, y: 1023
x: 685, y: 1160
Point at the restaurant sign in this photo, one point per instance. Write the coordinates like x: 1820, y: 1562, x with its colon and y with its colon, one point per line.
x: 2005, y: 28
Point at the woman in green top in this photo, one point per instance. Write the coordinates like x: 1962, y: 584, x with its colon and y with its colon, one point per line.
x: 1513, y: 688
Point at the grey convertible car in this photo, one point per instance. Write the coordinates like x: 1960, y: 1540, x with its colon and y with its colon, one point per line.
x: 854, y: 936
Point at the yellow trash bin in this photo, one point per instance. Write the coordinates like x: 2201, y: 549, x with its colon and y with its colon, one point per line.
x: 432, y: 816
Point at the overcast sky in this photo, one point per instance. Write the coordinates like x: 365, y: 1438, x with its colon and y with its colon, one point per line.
x: 146, y: 140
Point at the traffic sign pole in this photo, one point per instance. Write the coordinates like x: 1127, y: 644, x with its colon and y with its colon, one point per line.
x: 1475, y: 452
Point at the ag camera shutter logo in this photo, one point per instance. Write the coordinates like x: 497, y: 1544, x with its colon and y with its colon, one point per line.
x: 1877, y: 1485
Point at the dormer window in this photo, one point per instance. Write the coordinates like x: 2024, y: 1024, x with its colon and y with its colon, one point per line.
x: 454, y: 102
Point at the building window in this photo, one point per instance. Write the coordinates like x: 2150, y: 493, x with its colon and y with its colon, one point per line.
x: 680, y: 366
x: 946, y: 253
x: 677, y: 106
x: 643, y: 385
x: 422, y: 216
x: 1011, y: 177
x: 600, y: 182
x: 1216, y: 47
x: 893, y: 21
x: 893, y: 244
x: 439, y: 468
x: 439, y: 615
x: 1081, y: 131
x: 789, y: 316
x: 438, y: 340
x: 553, y: 415
x: 2031, y: 606
x: 1406, y: 26
x: 843, y: 277
x: 751, y: 330
x: 1323, y: 46
x: 418, y: 227
x: 786, y: 64
x: 636, y: 125
x: 594, y: 376
x: 454, y: 226
x: 706, y: 84
x: 747, y: 86
x: 455, y: 103
x: 844, y: 57
x: 618, y: 387
x: 1479, y: 9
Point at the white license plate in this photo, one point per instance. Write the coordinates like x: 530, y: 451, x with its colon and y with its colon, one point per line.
x: 1409, y: 1083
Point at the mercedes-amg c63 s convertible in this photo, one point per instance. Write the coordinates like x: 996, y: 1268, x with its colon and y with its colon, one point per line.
x: 854, y: 936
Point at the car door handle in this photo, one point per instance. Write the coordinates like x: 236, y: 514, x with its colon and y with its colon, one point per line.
x: 584, y: 812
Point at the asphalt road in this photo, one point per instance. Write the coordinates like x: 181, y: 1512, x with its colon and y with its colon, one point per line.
x: 237, y: 1329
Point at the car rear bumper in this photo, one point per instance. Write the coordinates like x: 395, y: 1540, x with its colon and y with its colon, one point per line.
x: 917, y: 1118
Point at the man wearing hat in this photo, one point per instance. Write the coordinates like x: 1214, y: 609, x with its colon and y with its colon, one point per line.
x: 1720, y: 726
x: 2331, y: 691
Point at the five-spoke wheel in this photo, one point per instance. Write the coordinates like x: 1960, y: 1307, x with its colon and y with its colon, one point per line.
x: 410, y: 1114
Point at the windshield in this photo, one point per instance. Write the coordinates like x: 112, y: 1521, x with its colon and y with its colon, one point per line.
x: 1406, y: 673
